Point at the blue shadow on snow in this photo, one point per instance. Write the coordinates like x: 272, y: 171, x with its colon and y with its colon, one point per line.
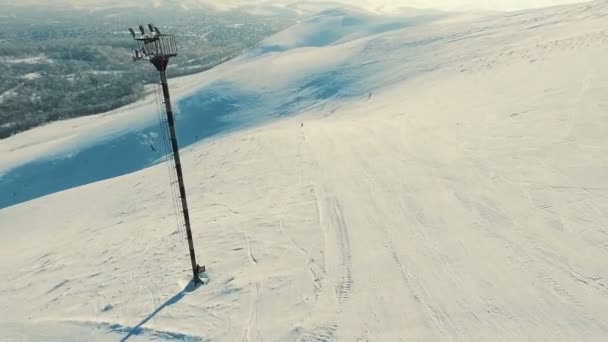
x: 201, y: 116
x: 139, y: 329
x: 214, y: 110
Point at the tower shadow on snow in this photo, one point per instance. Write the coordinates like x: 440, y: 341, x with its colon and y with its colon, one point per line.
x: 139, y: 329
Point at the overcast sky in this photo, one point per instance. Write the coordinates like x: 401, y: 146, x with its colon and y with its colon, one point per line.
x: 385, y: 5
x: 484, y: 4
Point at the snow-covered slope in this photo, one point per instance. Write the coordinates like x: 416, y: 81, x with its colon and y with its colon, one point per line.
x: 442, y: 181
x: 103, y: 147
x: 391, y: 6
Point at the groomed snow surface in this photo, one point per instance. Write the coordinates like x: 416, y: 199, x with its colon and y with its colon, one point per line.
x: 441, y: 180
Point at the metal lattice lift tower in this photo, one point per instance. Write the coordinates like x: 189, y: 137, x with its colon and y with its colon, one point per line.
x: 158, y: 49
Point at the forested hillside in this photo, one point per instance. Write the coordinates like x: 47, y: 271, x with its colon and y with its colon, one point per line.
x: 63, y: 64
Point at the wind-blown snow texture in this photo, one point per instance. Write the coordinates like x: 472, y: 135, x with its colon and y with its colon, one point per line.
x: 443, y: 180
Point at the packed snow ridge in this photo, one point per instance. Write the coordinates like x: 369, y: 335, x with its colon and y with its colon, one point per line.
x: 367, y: 179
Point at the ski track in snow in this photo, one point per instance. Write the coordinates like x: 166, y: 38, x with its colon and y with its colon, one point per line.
x: 344, y: 282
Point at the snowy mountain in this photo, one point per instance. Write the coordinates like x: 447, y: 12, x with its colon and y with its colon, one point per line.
x: 309, y: 6
x: 357, y: 177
